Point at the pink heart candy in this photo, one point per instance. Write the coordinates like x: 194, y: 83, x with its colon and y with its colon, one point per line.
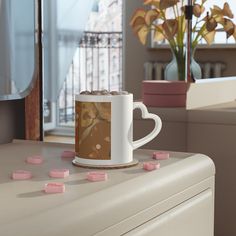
x: 68, y: 154
x: 36, y: 160
x: 54, y: 188
x: 158, y: 155
x: 149, y: 166
x: 21, y: 175
x: 96, y: 176
x: 59, y: 173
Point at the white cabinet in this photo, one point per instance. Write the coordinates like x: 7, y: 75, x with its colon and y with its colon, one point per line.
x: 176, y: 200
x: 192, y: 217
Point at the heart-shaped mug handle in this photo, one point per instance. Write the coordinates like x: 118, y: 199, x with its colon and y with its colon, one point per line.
x: 146, y: 115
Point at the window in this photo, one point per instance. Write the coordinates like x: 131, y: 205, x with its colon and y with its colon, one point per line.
x: 114, y: 64
x: 91, y: 65
x: 102, y: 67
x: 220, y: 38
x: 112, y: 26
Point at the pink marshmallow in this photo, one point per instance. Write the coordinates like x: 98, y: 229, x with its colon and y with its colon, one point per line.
x: 68, y: 154
x: 21, y: 175
x: 96, y: 176
x: 36, y: 160
x: 59, y: 173
x: 54, y: 188
x: 161, y: 155
x: 149, y: 166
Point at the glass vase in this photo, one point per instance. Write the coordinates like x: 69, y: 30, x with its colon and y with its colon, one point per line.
x: 175, y: 70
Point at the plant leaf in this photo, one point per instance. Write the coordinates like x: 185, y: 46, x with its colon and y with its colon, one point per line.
x: 209, y: 36
x: 219, y: 19
x: 138, y: 24
x: 234, y: 35
x: 181, y: 23
x: 155, y: 3
x: 139, y: 13
x: 151, y: 16
x: 159, y: 36
x: 142, y: 34
x: 164, y: 4
x: 229, y: 27
x: 227, y: 11
x: 198, y: 10
x: 211, y: 24
x: 170, y: 28
x: 216, y: 11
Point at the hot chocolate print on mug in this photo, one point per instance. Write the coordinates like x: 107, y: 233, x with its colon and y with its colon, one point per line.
x: 93, y: 130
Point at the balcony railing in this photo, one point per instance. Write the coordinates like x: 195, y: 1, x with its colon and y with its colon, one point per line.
x: 97, y: 65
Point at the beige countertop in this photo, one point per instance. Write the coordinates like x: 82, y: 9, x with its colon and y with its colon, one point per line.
x: 26, y: 209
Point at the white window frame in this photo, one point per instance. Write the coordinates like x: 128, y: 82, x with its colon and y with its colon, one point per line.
x: 47, y: 126
x: 54, y: 128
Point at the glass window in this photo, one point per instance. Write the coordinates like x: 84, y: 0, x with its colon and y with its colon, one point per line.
x: 17, y: 48
x: 114, y: 64
x: 220, y: 37
x: 88, y: 61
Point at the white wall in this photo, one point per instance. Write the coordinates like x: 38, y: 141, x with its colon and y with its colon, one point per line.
x: 135, y: 53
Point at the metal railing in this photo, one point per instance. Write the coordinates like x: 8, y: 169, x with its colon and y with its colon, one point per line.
x: 97, y: 65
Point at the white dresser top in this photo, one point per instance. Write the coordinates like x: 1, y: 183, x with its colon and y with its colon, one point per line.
x: 26, y: 209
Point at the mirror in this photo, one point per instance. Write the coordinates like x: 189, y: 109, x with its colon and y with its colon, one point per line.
x: 17, y: 48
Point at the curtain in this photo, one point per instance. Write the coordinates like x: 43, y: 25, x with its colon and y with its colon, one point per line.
x: 17, y: 45
x: 23, y: 43
x: 64, y: 24
x: 5, y: 48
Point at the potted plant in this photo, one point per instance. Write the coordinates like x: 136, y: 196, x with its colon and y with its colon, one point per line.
x: 166, y: 19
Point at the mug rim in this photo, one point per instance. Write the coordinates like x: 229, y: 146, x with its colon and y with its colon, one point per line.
x: 90, y: 97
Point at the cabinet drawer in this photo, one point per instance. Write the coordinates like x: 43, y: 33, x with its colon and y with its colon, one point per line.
x: 193, y: 217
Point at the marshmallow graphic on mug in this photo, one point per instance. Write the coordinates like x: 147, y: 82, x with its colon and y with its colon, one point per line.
x: 104, y: 128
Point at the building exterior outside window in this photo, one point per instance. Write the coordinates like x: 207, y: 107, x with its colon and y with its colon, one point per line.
x: 97, y: 63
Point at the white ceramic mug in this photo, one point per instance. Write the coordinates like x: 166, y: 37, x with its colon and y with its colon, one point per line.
x: 104, y: 129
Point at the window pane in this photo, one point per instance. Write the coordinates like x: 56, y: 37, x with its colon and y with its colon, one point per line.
x: 95, y: 63
x: 220, y: 37
x: 17, y: 47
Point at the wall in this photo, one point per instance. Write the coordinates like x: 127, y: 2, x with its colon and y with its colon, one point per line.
x: 136, y: 54
x: 11, y: 120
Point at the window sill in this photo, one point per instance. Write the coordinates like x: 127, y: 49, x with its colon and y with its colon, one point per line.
x: 59, y: 139
x: 214, y: 46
